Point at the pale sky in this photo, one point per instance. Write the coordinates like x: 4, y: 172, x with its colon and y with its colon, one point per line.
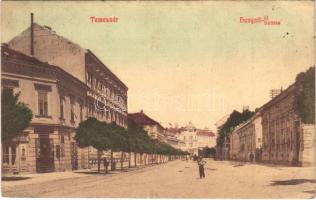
x: 184, y: 61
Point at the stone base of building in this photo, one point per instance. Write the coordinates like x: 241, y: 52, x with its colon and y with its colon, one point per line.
x: 43, y: 149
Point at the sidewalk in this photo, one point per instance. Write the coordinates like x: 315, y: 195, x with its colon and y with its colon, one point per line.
x: 23, y: 179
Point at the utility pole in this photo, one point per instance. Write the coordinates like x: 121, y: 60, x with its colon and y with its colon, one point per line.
x: 32, y: 36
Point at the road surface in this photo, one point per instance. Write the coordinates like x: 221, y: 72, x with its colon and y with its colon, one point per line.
x: 176, y: 179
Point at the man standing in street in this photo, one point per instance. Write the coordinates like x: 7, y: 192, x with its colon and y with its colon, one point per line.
x: 251, y: 157
x: 105, y: 164
x: 201, y: 164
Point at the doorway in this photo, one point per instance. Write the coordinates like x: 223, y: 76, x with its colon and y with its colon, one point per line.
x: 74, y: 156
x: 44, y: 153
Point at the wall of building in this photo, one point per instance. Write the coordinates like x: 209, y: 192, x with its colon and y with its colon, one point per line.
x: 23, y: 154
x: 307, y: 154
x: 189, y: 137
x: 234, y: 146
x: 51, y: 48
x: 286, y: 140
x: 246, y: 140
x: 206, y: 141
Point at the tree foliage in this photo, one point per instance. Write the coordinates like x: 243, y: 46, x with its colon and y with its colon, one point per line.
x: 233, y: 121
x: 92, y: 132
x: 15, y: 115
x: 305, y: 98
x: 103, y: 136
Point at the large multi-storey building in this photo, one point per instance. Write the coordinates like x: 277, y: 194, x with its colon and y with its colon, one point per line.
x: 63, y: 84
x: 107, y: 94
x: 286, y: 139
x: 57, y: 100
x: 276, y: 133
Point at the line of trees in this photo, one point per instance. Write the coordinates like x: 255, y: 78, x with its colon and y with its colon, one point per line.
x: 111, y: 137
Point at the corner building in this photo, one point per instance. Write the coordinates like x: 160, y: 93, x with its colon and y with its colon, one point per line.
x: 88, y: 88
x: 107, y: 94
x: 57, y: 100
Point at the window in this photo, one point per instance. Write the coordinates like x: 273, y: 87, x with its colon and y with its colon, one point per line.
x: 81, y: 112
x: 42, y: 103
x: 112, y: 116
x: 107, y: 114
x: 72, y: 112
x: 96, y: 84
x: 91, y: 109
x: 102, y: 114
x: 9, y: 84
x: 61, y: 100
x: 58, y: 152
x: 62, y: 139
x: 5, y: 154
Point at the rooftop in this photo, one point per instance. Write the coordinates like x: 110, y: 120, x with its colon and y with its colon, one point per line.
x: 140, y: 118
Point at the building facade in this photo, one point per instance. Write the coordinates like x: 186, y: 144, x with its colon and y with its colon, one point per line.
x: 107, y: 94
x: 153, y: 128
x: 246, y: 139
x: 205, y: 138
x: 63, y: 84
x: 194, y: 138
x: 286, y: 139
x: 57, y: 100
x: 188, y: 135
x: 171, y: 139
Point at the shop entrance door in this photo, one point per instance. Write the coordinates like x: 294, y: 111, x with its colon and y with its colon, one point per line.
x: 44, y: 153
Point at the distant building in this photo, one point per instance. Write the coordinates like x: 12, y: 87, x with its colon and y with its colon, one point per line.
x: 246, y: 139
x: 171, y: 139
x: 153, y: 128
x: 205, y: 138
x: 194, y: 138
x: 188, y: 135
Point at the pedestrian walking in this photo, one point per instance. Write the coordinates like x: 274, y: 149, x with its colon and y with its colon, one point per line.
x: 251, y: 157
x: 105, y: 164
x: 201, y: 164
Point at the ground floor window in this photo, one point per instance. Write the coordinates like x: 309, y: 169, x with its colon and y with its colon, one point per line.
x: 5, y: 155
x: 9, y: 151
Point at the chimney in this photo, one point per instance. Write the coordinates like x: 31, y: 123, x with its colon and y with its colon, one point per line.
x: 32, y: 36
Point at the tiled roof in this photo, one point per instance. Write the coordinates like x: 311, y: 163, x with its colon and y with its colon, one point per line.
x: 142, y: 119
x: 205, y: 133
x: 7, y: 52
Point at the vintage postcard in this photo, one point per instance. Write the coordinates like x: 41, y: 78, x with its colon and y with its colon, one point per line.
x: 158, y: 99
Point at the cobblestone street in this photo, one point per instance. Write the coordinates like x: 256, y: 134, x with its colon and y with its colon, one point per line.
x: 177, y: 179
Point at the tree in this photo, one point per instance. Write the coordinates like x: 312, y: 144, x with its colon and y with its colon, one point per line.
x: 15, y: 115
x: 233, y: 121
x: 305, y: 98
x: 139, y: 141
x: 92, y: 132
x: 119, y: 138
